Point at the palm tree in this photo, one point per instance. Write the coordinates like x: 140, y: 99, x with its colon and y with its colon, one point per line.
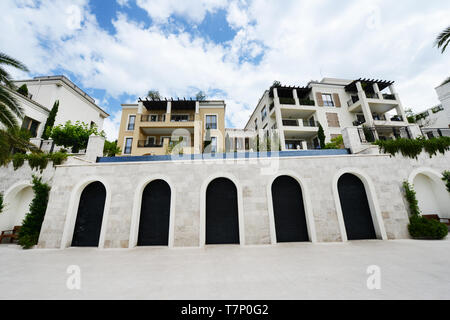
x: 8, y: 104
x: 443, y: 39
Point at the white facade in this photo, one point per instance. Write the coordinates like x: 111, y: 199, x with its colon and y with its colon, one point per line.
x: 74, y: 104
x: 438, y: 116
x: 334, y: 103
x: 31, y: 110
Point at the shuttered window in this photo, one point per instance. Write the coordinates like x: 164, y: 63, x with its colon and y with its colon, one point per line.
x: 333, y: 120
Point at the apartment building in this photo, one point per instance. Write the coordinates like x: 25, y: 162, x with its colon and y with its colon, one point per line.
x: 437, y: 117
x: 74, y: 103
x: 334, y: 103
x: 154, y: 127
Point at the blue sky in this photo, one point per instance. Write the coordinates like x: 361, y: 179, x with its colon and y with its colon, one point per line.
x: 117, y: 50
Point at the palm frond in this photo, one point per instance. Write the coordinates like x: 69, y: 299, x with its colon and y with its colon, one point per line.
x: 443, y: 39
x: 7, y: 99
x: 7, y: 117
x: 9, y: 61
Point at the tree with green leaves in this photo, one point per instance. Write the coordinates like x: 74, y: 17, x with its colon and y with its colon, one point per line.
x: 154, y: 95
x: 200, y: 96
x: 31, y: 227
x: 50, y: 120
x: 75, y: 135
x: 111, y: 149
x: 23, y: 90
x: 9, y: 107
x: 276, y: 83
x: 446, y: 179
x: 14, y: 140
x: 321, y: 136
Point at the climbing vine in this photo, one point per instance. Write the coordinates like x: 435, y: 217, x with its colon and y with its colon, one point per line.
x: 446, y: 179
x: 38, y: 160
x: 420, y: 227
x: 413, y: 147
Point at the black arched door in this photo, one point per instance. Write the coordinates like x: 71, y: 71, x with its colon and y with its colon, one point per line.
x: 89, y: 216
x: 289, y: 210
x: 155, y: 215
x: 222, y: 217
x: 355, y: 208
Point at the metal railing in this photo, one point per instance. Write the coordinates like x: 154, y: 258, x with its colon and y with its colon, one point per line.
x: 353, y: 100
x: 153, y: 118
x: 147, y: 144
x: 435, y: 132
x: 290, y: 123
x: 310, y: 123
x: 371, y: 134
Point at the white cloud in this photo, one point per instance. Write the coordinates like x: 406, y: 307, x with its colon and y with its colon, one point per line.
x: 301, y: 41
x: 111, y: 125
x: 193, y: 10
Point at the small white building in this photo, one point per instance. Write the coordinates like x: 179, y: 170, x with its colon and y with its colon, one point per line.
x: 437, y: 117
x: 74, y: 103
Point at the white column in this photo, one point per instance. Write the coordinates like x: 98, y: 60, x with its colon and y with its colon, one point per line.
x: 364, y: 105
x: 294, y: 94
x: 304, y: 145
x: 169, y: 107
x: 376, y: 89
x: 140, y: 107
x: 399, y: 108
x: 94, y: 148
x: 197, y: 106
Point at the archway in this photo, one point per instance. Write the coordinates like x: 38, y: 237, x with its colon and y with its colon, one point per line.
x: 432, y: 195
x: 89, y: 216
x: 289, y: 210
x: 222, y: 214
x: 355, y: 207
x: 155, y: 214
x: 16, y: 206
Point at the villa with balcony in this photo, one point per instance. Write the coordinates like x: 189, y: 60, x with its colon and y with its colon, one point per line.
x: 332, y: 103
x: 155, y: 127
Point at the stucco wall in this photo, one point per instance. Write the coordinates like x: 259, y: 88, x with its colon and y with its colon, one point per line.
x: 382, y: 174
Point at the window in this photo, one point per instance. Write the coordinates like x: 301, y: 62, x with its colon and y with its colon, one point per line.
x: 211, y: 122
x: 131, y: 121
x: 153, y: 117
x: 151, y: 141
x: 327, y: 100
x: 31, y: 125
x: 263, y: 113
x: 179, y: 118
x: 93, y: 124
x: 128, y: 144
x: 213, y: 144
x: 256, y: 124
x: 333, y: 120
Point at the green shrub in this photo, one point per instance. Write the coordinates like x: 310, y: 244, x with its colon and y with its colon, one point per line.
x: 321, y: 136
x: 410, y: 195
x: 58, y: 158
x: 31, y: 226
x: 18, y: 159
x: 336, y: 143
x: 38, y: 161
x: 111, y: 149
x: 423, y: 228
x: 413, y: 147
x: 446, y: 179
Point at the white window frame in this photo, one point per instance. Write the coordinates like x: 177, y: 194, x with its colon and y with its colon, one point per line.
x: 214, y: 137
x: 326, y: 101
x: 125, y: 145
x: 128, y: 122
x: 217, y: 120
x: 148, y: 137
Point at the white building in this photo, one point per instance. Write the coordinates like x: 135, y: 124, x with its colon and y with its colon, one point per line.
x: 74, y: 103
x: 335, y: 104
x: 437, y: 117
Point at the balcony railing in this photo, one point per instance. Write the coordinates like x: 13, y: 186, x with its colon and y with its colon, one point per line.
x: 153, y: 118
x: 181, y: 118
x: 147, y: 144
x: 397, y: 118
x: 287, y: 101
x: 272, y: 105
x: 353, y: 100
x: 307, y: 102
x: 310, y: 123
x: 290, y: 123
x: 389, y: 96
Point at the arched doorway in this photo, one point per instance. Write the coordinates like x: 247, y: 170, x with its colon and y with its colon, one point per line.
x: 289, y: 210
x: 358, y: 220
x: 89, y: 216
x: 16, y: 206
x: 432, y: 195
x: 222, y: 216
x: 155, y: 215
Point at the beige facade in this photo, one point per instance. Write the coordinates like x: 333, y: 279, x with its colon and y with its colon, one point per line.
x: 156, y: 127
